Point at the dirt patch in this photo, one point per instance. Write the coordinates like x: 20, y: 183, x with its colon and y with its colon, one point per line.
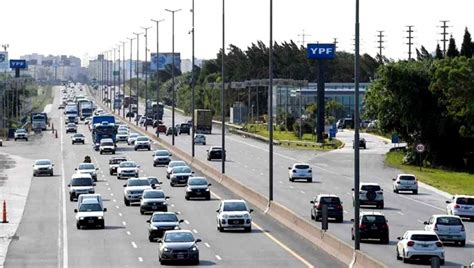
x: 6, y: 162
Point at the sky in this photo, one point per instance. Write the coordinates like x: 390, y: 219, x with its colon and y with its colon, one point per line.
x: 86, y: 27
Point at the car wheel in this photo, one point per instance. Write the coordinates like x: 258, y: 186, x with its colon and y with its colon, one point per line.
x: 154, y: 164
x: 395, y: 190
x: 150, y: 238
x: 310, y: 180
x: 111, y: 173
x: 248, y: 229
x: 135, y: 149
x: 78, y: 226
x: 208, y: 197
x: 415, y: 192
x: 405, y: 260
x: 385, y: 240
x: 186, y: 197
x: 339, y: 219
x: 208, y: 159
x: 352, y: 237
x: 291, y: 179
x: 34, y: 175
x: 462, y: 243
x: 149, y: 148
x: 142, y: 212
x: 100, y: 152
x: 113, y: 152
x: 83, y: 143
x: 102, y: 226
x: 127, y: 203
x: 26, y: 139
x: 441, y: 262
x: 171, y: 184
x: 398, y: 254
x: 15, y: 139
x: 204, y: 143
x: 51, y: 174
x: 219, y: 228
x: 72, y: 143
x: 71, y: 198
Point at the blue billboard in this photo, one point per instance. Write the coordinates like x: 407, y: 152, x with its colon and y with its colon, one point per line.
x: 18, y: 64
x: 321, y: 51
x: 159, y: 63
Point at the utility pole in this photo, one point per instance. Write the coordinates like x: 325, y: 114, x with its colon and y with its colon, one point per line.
x: 444, y: 34
x: 335, y: 42
x: 123, y: 76
x: 136, y: 67
x: 130, y: 80
x: 192, y: 81
x: 303, y: 38
x: 4, y: 111
x: 380, y: 46
x: 410, y: 39
x: 223, y: 156
x: 157, y: 62
x: 356, y: 130
x: 145, y: 72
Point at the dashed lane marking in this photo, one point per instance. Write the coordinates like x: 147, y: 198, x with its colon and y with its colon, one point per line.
x: 185, y: 221
x: 124, y: 223
x: 140, y: 259
x: 420, y: 221
x: 302, y: 192
x: 134, y: 245
x: 114, y: 200
x: 218, y: 257
x: 401, y: 213
x: 195, y: 231
x: 120, y: 214
x: 128, y: 233
x: 207, y: 245
x: 111, y: 194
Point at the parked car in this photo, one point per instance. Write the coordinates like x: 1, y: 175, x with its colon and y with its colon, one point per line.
x: 370, y: 194
x: 300, y: 171
x: 71, y: 127
x: 198, y: 187
x: 172, y: 164
x: 172, y: 130
x: 153, y: 200
x: 199, y: 139
x: 178, y: 245
x: 161, y: 157
x: 90, y: 213
x: 78, y: 138
x: 180, y: 175
x: 215, y: 152
x: 419, y: 245
x: 373, y: 225
x: 43, y: 166
x: 234, y: 214
x: 448, y: 228
x: 114, y: 163
x: 405, y: 182
x: 160, y: 222
x: 133, y: 190
x: 334, y: 204
x: 21, y: 134
x: 462, y: 206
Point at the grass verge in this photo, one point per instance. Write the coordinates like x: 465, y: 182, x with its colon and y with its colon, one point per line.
x: 38, y: 102
x: 445, y: 180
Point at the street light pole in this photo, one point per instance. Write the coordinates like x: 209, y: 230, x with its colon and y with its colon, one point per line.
x: 356, y: 132
x: 192, y: 83
x: 123, y: 76
x: 130, y: 80
x: 119, y: 87
x: 138, y: 86
x: 157, y: 62
x: 145, y: 71
x: 222, y: 90
x: 172, y: 74
x: 112, y: 99
x: 270, y: 108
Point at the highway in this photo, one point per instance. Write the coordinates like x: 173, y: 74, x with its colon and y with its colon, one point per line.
x: 47, y: 235
x: 247, y: 161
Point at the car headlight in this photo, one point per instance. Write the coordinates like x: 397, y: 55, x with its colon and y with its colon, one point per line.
x: 35, y: 168
x: 165, y: 249
x: 246, y: 216
x: 100, y: 218
x: 188, y: 189
x: 153, y: 227
x: 194, y: 248
x: 207, y: 189
x: 225, y: 216
x: 165, y: 203
x: 81, y: 218
x: 177, y: 227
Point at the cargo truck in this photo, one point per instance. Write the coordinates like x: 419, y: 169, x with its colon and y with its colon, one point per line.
x: 85, y: 109
x: 202, y: 121
x: 39, y: 121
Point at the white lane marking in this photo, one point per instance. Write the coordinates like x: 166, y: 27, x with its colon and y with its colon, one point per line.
x: 280, y: 182
x: 195, y: 231
x: 124, y: 223
x: 216, y: 196
x: 291, y: 187
x: 420, y: 221
x: 172, y: 205
x: 345, y: 212
x: 63, y: 243
x: 114, y: 200
x: 185, y: 221
x: 107, y: 184
x: 120, y: 214
x: 117, y: 207
x: 109, y: 189
x: 111, y: 194
x: 103, y: 176
x: 178, y: 212
x: 218, y: 257
x: 302, y: 192
x: 128, y: 233
x: 207, y: 245
x: 401, y: 213
x: 420, y: 202
x: 140, y: 259
x: 134, y: 245
x: 471, y: 241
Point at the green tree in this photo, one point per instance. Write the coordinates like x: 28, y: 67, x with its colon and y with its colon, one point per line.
x: 466, y: 47
x: 423, y: 54
x: 438, y: 53
x: 452, y: 49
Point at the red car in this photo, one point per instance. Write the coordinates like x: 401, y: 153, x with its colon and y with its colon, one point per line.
x: 161, y: 128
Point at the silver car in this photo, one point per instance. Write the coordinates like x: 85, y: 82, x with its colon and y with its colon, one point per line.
x: 172, y: 164
x: 199, y: 139
x: 448, y: 228
x: 179, y: 246
x: 462, y: 206
x: 405, y: 182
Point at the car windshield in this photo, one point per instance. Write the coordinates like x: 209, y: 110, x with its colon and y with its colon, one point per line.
x: 197, y: 182
x: 20, y: 130
x: 81, y: 182
x: 142, y: 139
x: 153, y: 180
x: 181, y: 170
x: 43, y: 162
x: 407, y: 178
x: 107, y: 144
x: 138, y: 183
x: 370, y: 188
x: 121, y: 132
x: 133, y: 135
x: 176, y: 163
x: 301, y: 166
x: 71, y: 125
x: 128, y: 164
x: 465, y: 201
x: 90, y: 207
x: 424, y: 237
x: 235, y: 206
x: 373, y: 219
x: 216, y: 149
x: 162, y: 153
x: 448, y: 221
x: 179, y: 237
x: 165, y: 218
x: 330, y: 200
x: 78, y: 135
x: 153, y: 194
x: 86, y: 166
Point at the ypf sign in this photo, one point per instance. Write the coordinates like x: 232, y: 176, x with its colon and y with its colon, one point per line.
x: 321, y: 51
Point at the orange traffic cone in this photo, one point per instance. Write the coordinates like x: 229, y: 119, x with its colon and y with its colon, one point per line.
x: 4, y: 214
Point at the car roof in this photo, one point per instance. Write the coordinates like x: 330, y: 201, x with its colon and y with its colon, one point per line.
x: 445, y: 216
x: 375, y: 213
x: 42, y: 160
x: 369, y: 183
x: 405, y: 174
x: 295, y: 164
x: 153, y: 190
x: 129, y: 161
x: 90, y: 201
x: 138, y: 179
x: 81, y: 175
x: 84, y: 164
x: 106, y: 140
x: 326, y: 195
x: 176, y: 161
x: 233, y: 200
x: 193, y: 178
x: 118, y: 157
x: 216, y: 147
x: 422, y: 232
x: 165, y: 212
x: 463, y: 196
x: 179, y: 231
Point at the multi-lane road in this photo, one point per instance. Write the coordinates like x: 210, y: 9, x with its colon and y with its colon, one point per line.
x: 247, y: 161
x: 47, y: 235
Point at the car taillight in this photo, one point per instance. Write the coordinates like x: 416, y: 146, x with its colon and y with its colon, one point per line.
x: 457, y: 206
x: 410, y: 243
x: 362, y: 226
x: 339, y: 207
x: 385, y: 226
x: 319, y: 207
x: 439, y: 244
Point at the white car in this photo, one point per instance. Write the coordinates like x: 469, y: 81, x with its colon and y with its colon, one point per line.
x: 172, y: 164
x: 122, y: 135
x: 43, y: 166
x: 107, y: 146
x: 78, y: 138
x: 21, y: 134
x: 80, y: 184
x: 90, y: 213
x: 127, y: 169
x: 234, y: 214
x: 134, y: 188
x: 199, y: 139
x: 300, y: 171
x: 370, y: 194
x: 122, y: 127
x: 142, y: 142
x: 161, y: 157
x: 405, y: 182
x: 448, y: 228
x: 180, y: 175
x: 418, y: 245
x: 132, y: 138
x: 88, y: 168
x: 462, y: 206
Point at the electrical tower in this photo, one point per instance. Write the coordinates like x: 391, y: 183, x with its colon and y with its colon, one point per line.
x: 303, y: 38
x: 335, y: 42
x: 444, y: 34
x: 380, y: 46
x: 410, y: 38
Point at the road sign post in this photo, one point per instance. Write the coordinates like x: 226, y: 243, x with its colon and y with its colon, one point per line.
x: 420, y: 148
x: 320, y: 52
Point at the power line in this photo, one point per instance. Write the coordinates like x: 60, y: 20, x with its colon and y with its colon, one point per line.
x: 303, y: 38
x: 380, y: 42
x: 335, y: 42
x: 444, y: 34
x: 410, y: 38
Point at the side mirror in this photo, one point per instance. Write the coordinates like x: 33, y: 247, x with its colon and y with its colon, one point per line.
x: 148, y: 221
x: 181, y: 221
x: 75, y: 169
x: 352, y: 189
x: 69, y: 185
x: 192, y: 172
x: 171, y: 154
x: 124, y: 185
x: 198, y: 240
x: 52, y: 165
x: 138, y: 166
x: 425, y: 223
x: 311, y: 202
x: 75, y: 210
x: 105, y: 209
x: 289, y: 167
x: 399, y: 238
x: 217, y: 211
x: 352, y: 220
x: 160, y: 241
x: 448, y: 202
x: 251, y: 210
x: 394, y: 179
x: 209, y: 184
x: 160, y: 182
x: 167, y: 197
x: 32, y: 165
x: 96, y: 168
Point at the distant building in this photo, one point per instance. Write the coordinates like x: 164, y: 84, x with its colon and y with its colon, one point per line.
x: 53, y: 68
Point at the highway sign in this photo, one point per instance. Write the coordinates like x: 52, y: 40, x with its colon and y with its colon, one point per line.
x: 321, y: 51
x: 420, y: 147
x: 18, y: 64
x: 3, y: 60
x: 395, y: 138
